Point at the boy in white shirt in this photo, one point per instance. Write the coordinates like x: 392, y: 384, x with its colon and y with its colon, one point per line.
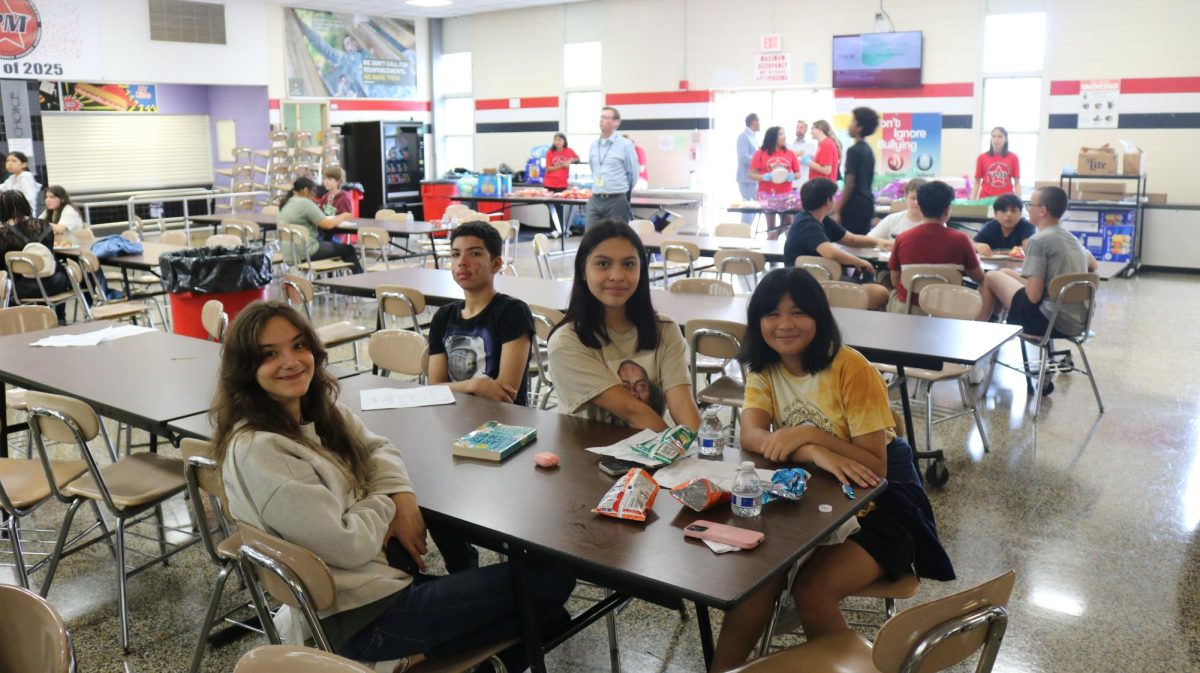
x: 899, y: 222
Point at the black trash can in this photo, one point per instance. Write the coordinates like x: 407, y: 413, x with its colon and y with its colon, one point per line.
x: 234, y: 276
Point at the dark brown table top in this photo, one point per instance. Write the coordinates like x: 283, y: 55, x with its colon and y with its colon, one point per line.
x: 709, y: 245
x: 550, y: 510
x: 638, y: 201
x: 269, y: 221
x: 439, y: 287
x: 147, y: 261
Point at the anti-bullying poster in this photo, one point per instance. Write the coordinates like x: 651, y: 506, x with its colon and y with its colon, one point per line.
x: 906, y: 145
x: 350, y: 55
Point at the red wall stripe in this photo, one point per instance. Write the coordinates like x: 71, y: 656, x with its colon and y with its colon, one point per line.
x: 1064, y: 88
x: 273, y: 104
x: 523, y: 103
x: 1161, y: 85
x: 359, y: 104
x: 658, y: 97
x: 952, y: 90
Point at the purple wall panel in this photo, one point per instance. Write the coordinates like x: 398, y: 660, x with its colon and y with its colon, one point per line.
x: 248, y: 107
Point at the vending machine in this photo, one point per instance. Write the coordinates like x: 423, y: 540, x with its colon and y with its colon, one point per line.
x: 388, y: 158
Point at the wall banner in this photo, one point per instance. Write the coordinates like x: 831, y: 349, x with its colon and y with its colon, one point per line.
x: 84, y: 97
x: 49, y: 39
x: 349, y: 55
x: 906, y: 145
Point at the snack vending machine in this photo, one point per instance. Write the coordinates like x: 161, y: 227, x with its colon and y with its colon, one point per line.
x: 388, y: 158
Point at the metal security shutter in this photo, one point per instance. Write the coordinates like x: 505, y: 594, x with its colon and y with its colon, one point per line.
x: 109, y: 152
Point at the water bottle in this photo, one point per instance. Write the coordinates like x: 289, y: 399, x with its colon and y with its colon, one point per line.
x: 445, y: 219
x: 712, y: 434
x: 747, y: 492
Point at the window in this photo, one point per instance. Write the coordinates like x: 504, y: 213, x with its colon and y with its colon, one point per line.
x: 1014, y: 53
x: 583, y: 120
x: 581, y: 65
x: 457, y: 126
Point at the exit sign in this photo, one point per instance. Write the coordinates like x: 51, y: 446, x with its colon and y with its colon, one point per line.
x: 771, y: 43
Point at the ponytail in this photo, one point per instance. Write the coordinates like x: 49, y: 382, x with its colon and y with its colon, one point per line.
x: 299, y: 185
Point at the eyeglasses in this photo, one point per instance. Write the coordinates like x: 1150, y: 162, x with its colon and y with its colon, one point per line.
x: 1035, y: 205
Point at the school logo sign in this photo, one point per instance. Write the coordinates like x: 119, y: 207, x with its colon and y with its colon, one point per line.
x: 20, y: 28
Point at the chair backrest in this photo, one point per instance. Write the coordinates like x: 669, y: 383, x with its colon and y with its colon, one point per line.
x: 214, y: 319
x: 295, y: 659
x: 400, y: 302
x: 1073, y: 288
x: 23, y: 264
x: 270, y: 209
x: 541, y: 256
x: 373, y: 238
x: 733, y: 230
x: 20, y: 319
x: 503, y: 227
x: 223, y: 241
x: 85, y: 238
x: 642, y: 227
x: 131, y: 235
x: 740, y: 262
x: 203, y: 476
x: 35, y: 637
x: 4, y: 290
x: 208, y: 477
x: 710, y: 286
x: 399, y: 350
x: 944, y: 632
x: 293, y: 242
x: 384, y: 213
x: 843, y: 294
x: 544, y: 320
x: 819, y: 267
x: 297, y: 289
x: 917, y: 277
x: 683, y: 252
x: 68, y: 421
x: 715, y: 338
x: 456, y: 210
x: 951, y: 301
x: 174, y: 237
x: 305, y: 565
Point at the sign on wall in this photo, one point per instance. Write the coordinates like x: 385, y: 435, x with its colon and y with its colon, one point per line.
x: 84, y: 97
x: 773, y: 68
x: 350, y: 55
x: 49, y: 39
x: 1098, y: 107
x: 907, y: 145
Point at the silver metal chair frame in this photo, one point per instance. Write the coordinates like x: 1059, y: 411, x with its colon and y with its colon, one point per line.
x: 413, y: 313
x: 994, y: 618
x: 720, y: 334
x: 251, y: 559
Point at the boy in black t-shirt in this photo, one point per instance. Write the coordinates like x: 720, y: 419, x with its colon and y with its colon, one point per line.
x: 857, y: 208
x: 480, y: 345
x: 1008, y: 230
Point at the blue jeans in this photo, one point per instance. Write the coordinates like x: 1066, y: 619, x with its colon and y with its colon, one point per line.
x: 749, y: 191
x: 439, y: 616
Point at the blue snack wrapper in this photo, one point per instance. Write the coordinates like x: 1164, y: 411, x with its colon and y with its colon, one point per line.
x: 788, y: 483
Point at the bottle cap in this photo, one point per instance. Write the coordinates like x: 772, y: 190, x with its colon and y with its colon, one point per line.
x: 825, y: 509
x: 748, y: 463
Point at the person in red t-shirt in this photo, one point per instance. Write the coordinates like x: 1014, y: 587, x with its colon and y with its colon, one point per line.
x: 335, y: 201
x: 997, y: 171
x: 771, y: 157
x: 826, y: 164
x: 558, y: 164
x: 931, y: 243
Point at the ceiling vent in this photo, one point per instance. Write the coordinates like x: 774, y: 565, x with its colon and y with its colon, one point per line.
x: 185, y: 21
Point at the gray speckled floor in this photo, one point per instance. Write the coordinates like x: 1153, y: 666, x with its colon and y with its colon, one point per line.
x: 1097, y: 515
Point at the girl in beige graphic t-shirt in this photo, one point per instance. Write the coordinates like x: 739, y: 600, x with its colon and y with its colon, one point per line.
x: 613, y: 357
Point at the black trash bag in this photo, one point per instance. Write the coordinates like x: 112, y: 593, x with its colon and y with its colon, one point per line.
x: 211, y: 270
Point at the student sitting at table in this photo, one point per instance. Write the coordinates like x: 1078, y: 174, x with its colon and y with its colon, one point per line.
x: 1007, y: 231
x: 901, y: 221
x: 335, y: 201
x: 301, y: 466
x: 1053, y: 251
x: 17, y: 230
x: 814, y: 233
x: 61, y: 215
x: 828, y: 409
x: 299, y: 208
x: 932, y: 242
x: 613, y: 357
x: 480, y: 345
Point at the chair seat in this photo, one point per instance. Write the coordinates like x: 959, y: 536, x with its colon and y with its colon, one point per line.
x: 843, y: 652
x: 324, y: 265
x: 949, y: 371
x: 905, y: 587
x: 54, y: 298
x: 24, y: 479
x: 136, y: 279
x: 297, y: 659
x: 134, y: 481
x: 724, y: 390
x: 15, y: 399
x: 342, y: 332
x: 116, y: 311
x: 464, y: 661
x: 709, y: 365
x: 228, y: 548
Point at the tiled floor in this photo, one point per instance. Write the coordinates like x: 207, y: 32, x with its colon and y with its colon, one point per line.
x: 1098, y: 516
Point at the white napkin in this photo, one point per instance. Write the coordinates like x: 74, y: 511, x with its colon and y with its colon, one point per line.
x: 95, y: 338
x: 405, y: 398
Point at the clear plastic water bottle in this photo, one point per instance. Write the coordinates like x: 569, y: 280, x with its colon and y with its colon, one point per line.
x: 747, y: 492
x: 712, y: 434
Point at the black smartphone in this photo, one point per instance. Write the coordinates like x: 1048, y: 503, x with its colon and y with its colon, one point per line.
x: 615, y: 467
x: 399, y: 558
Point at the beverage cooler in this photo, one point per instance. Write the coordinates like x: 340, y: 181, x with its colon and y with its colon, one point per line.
x: 388, y: 158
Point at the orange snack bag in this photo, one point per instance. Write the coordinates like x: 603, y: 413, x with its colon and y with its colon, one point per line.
x: 631, y: 497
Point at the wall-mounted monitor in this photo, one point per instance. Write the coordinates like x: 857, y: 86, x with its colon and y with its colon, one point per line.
x: 877, y: 60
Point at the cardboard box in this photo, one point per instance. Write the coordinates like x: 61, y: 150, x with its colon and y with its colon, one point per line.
x: 1097, y: 161
x: 1133, y: 163
x: 1156, y: 197
x: 1106, y: 186
x: 1086, y: 195
x: 957, y: 210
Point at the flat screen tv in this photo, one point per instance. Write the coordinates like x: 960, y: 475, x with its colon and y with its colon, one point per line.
x: 877, y: 60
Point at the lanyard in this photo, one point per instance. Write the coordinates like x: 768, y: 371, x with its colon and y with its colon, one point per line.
x: 604, y: 156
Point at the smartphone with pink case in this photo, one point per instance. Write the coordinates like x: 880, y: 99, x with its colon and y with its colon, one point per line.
x: 719, y: 532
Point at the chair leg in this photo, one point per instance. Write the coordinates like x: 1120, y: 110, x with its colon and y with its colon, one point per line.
x: 1091, y: 376
x: 56, y: 553
x: 614, y: 646
x: 14, y: 535
x: 162, y: 534
x: 122, y: 595
x: 206, y: 627
x: 764, y: 645
x: 1041, y: 379
x: 970, y: 401
x: 929, y: 416
x: 1025, y: 361
x: 889, y: 608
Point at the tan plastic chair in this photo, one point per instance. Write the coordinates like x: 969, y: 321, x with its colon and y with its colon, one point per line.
x: 100, y: 307
x: 541, y: 256
x: 214, y: 319
x: 247, y: 231
x: 85, y: 238
x: 544, y: 321
x: 298, y: 290
x: 400, y: 351
x: 917, y: 277
x: 1072, y: 288
x: 271, y: 209
x: 844, y: 294
x: 819, y: 267
x: 745, y: 264
x: 295, y: 659
x: 680, y: 258
x: 204, y: 484
x: 36, y: 639
x: 642, y: 227
x: 29, y: 266
x: 709, y: 286
x: 174, y: 237
x: 508, y: 230
x: 126, y: 488
x: 5, y: 289
x: 927, y: 638
x: 396, y: 301
x: 721, y: 340
x: 384, y: 213
x: 733, y: 230
x: 18, y: 320
x: 293, y: 242
x: 374, y: 241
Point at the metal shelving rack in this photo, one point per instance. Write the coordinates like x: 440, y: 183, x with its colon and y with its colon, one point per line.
x: 1067, y: 180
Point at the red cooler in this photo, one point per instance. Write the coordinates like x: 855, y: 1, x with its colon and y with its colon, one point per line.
x: 187, y: 306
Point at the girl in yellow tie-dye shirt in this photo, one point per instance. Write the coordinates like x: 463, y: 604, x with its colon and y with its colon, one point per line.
x: 828, y: 407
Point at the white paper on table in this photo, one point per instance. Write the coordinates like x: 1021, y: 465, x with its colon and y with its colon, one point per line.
x: 623, y: 450
x: 405, y: 398
x: 95, y: 338
x: 718, y: 472
x: 719, y: 547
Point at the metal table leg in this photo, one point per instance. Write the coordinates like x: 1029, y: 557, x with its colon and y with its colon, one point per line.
x: 529, y: 629
x: 706, y: 635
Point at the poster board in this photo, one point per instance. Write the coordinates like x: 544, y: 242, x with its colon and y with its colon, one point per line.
x: 349, y: 55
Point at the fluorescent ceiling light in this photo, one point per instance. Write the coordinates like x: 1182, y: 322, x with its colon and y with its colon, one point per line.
x: 428, y: 3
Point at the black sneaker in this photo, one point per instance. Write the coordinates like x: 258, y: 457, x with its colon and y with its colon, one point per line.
x: 1047, y: 387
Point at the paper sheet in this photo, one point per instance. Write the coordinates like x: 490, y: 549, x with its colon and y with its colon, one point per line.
x: 405, y: 398
x: 91, y: 338
x: 623, y: 450
x: 718, y: 472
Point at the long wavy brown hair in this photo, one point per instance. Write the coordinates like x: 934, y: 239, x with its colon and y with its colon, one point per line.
x: 241, y: 405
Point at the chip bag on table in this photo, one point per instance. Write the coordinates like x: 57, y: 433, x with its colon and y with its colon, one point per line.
x: 788, y: 483
x: 700, y: 494
x: 667, y: 445
x: 631, y: 497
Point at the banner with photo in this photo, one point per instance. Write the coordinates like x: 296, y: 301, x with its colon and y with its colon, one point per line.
x: 84, y: 97
x: 349, y: 55
x: 907, y: 145
x: 49, y: 39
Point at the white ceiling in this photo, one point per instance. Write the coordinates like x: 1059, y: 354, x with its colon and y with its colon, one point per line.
x: 401, y: 9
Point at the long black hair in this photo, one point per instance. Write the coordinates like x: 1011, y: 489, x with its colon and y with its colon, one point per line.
x: 560, y: 135
x: 771, y: 140
x: 299, y: 185
x: 1003, y: 150
x: 64, y: 200
x: 808, y: 296
x: 585, y: 312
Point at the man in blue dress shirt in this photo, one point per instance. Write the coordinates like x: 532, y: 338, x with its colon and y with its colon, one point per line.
x: 747, y: 145
x: 614, y: 172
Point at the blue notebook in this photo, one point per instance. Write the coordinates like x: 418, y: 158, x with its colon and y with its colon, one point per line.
x: 494, y: 441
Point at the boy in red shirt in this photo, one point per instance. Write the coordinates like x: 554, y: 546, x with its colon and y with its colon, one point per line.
x: 931, y: 243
